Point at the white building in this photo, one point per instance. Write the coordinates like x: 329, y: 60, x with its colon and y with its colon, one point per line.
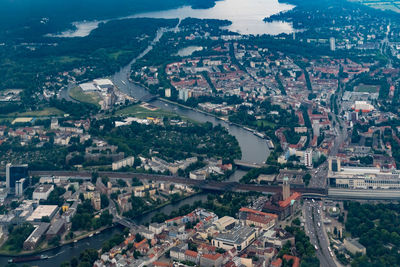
x: 363, y: 106
x: 20, y: 186
x: 332, y: 44
x: 43, y: 211
x: 308, y: 158
x: 42, y: 192
x: 168, y: 92
x: 127, y: 162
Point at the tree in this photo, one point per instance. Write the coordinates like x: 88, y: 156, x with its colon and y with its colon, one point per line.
x: 138, y: 237
x: 104, y: 201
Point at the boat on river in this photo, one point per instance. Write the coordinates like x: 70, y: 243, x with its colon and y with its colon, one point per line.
x: 27, y: 259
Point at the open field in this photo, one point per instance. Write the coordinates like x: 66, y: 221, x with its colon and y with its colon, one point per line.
x: 366, y: 88
x: 141, y: 112
x: 78, y: 94
x: 46, y: 112
x: 392, y: 5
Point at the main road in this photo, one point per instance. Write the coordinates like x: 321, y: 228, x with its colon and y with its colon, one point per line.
x: 315, y: 230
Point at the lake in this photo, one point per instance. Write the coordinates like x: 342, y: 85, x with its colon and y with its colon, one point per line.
x: 246, y: 17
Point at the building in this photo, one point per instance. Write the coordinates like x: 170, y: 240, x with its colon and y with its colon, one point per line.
x: 157, y: 228
x: 96, y: 201
x: 364, y: 178
x: 56, y: 229
x: 36, y: 236
x: 42, y: 192
x: 225, y: 223
x: 308, y: 158
x: 277, y: 238
x: 168, y: 92
x: 257, y: 218
x: 354, y: 246
x: 332, y: 43
x: 284, y: 204
x: 211, y: 260
x: 127, y: 162
x: 13, y: 174
x: 183, y: 94
x: 285, y: 188
x: 239, y: 238
x: 191, y: 256
x: 20, y: 186
x: 178, y: 252
x: 43, y: 211
x: 362, y: 106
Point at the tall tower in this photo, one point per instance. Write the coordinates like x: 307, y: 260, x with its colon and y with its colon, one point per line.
x: 285, y: 188
x: 332, y: 44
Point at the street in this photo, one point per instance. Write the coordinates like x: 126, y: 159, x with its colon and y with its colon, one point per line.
x: 315, y: 230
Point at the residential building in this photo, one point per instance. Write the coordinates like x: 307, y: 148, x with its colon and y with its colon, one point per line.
x: 211, y: 260
x: 127, y: 162
x: 257, y: 218
x: 308, y: 158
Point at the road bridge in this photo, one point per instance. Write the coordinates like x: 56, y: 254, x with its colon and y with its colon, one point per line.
x: 249, y: 165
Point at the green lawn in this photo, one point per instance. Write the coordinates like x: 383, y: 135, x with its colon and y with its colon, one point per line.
x: 91, y: 98
x: 46, y: 112
x: 266, y: 123
x: 365, y: 88
x: 141, y: 112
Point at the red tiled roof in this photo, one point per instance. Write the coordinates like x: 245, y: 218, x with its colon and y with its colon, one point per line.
x: 213, y: 257
x: 287, y: 201
x: 174, y: 219
x: 277, y: 263
x: 191, y: 253
x: 141, y: 243
x: 296, y: 260
x: 162, y: 264
x: 258, y: 212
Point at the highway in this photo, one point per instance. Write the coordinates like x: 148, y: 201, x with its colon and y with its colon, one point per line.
x: 315, y: 230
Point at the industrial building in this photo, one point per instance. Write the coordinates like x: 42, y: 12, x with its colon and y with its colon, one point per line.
x: 43, y: 211
x: 36, y: 236
x: 56, y: 228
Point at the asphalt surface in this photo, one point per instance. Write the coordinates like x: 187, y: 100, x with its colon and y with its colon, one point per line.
x: 315, y: 230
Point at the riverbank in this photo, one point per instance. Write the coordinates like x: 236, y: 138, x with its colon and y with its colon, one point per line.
x: 66, y: 243
x: 156, y: 209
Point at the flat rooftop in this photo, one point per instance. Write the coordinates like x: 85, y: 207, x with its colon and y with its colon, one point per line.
x: 42, y: 211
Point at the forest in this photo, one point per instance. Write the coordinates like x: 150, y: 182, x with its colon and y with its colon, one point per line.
x: 378, y: 227
x: 170, y: 141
